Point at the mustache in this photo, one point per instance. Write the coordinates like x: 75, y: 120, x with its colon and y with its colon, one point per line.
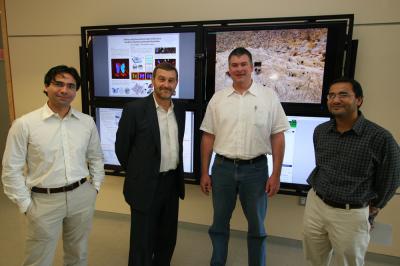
x: 173, y: 91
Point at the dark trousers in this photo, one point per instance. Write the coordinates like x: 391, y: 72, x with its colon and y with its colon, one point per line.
x: 153, y: 233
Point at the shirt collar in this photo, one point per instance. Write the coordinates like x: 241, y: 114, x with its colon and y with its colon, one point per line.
x: 47, y: 112
x: 252, y: 90
x: 359, y: 124
x: 159, y: 107
x: 357, y: 127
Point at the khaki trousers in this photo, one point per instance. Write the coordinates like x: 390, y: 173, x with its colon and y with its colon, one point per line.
x: 70, y: 212
x: 327, y: 230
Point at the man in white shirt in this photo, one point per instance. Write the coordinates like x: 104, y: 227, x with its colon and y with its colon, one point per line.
x: 52, y: 169
x: 242, y: 124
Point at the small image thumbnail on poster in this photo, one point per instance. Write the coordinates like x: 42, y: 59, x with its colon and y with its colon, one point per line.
x: 168, y: 60
x: 165, y: 50
x: 141, y: 84
x: 137, y: 63
x: 142, y: 75
x: 120, y: 68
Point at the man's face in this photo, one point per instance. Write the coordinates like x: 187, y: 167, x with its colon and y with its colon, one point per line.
x: 342, y: 101
x: 164, y: 84
x: 61, y: 91
x: 240, y: 69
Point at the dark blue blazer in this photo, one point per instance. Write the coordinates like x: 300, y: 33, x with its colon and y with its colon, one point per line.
x: 138, y: 149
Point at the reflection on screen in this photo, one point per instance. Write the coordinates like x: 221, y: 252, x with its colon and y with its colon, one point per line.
x: 107, y: 120
x: 299, y: 158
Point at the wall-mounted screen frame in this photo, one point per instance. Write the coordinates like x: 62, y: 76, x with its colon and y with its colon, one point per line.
x: 311, y: 42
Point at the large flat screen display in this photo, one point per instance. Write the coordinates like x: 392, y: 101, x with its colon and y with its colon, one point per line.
x: 289, y: 61
x: 107, y: 120
x: 299, y: 159
x: 295, y: 62
x: 123, y: 64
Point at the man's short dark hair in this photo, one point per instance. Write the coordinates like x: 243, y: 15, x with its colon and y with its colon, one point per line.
x: 356, y: 86
x: 239, y: 51
x: 61, y: 69
x: 165, y: 66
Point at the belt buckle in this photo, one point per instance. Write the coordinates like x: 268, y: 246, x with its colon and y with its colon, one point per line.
x: 48, y: 191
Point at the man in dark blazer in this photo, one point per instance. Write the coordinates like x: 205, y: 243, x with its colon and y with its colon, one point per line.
x: 149, y: 147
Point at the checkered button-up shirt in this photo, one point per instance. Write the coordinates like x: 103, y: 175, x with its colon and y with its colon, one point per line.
x: 359, y: 166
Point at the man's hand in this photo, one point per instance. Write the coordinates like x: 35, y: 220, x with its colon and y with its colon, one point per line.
x: 205, y: 184
x: 272, y: 186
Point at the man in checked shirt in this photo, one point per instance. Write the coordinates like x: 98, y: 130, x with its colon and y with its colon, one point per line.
x: 357, y: 172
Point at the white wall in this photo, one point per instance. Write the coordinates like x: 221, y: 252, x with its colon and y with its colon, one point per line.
x: 47, y: 32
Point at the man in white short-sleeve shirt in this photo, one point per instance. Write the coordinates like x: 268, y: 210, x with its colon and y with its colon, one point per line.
x: 242, y: 124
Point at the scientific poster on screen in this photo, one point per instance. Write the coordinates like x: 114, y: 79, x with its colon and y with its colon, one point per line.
x: 132, y: 59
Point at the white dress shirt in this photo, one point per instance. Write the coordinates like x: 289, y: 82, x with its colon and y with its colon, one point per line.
x: 45, y: 150
x: 242, y: 124
x: 168, y: 137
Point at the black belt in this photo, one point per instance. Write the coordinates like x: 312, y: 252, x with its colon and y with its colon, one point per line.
x: 59, y: 189
x: 346, y: 206
x: 240, y: 161
x: 167, y: 173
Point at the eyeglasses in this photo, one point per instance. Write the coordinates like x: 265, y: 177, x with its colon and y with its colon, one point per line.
x: 340, y: 95
x: 60, y: 84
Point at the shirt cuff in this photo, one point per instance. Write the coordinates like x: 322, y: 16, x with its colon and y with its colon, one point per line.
x: 24, y: 205
x: 97, y: 185
x: 209, y: 131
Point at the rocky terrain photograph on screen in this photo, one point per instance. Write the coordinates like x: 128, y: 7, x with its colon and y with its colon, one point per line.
x: 291, y: 62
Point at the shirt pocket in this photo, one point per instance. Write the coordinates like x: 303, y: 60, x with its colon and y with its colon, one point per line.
x: 261, y: 116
